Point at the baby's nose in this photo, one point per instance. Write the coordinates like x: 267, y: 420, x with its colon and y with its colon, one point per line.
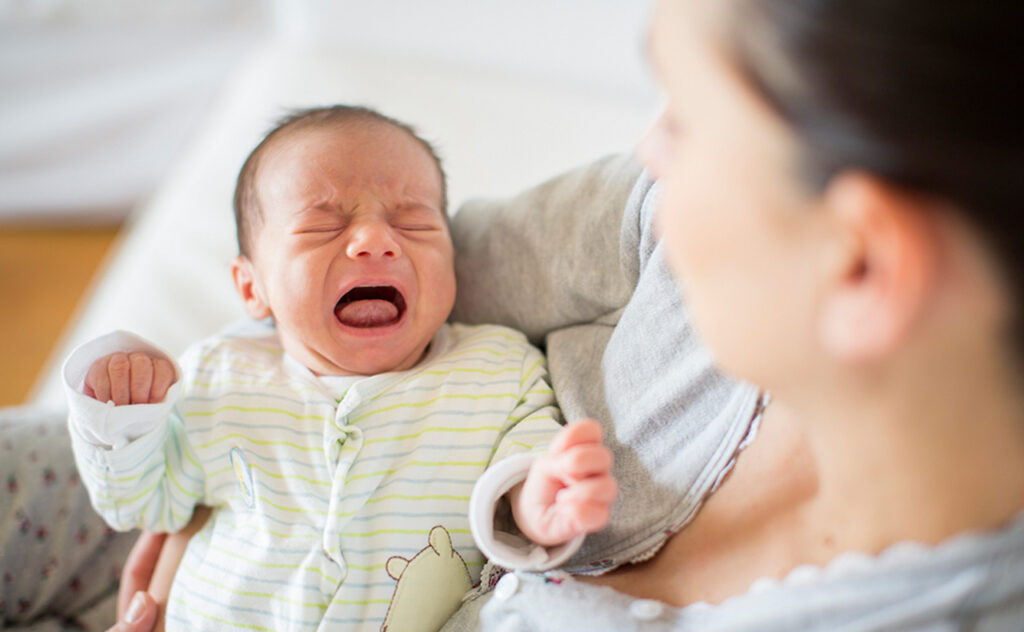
x: 371, y: 239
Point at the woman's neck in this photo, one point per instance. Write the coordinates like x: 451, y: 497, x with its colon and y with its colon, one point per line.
x: 919, y: 458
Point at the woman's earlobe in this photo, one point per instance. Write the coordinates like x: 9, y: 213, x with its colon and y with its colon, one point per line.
x: 878, y: 291
x: 244, y: 275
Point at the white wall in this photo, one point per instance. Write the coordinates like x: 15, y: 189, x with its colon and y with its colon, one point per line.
x: 98, y: 96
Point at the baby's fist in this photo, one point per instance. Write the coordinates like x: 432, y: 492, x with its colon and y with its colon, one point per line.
x: 129, y: 378
x: 569, y: 490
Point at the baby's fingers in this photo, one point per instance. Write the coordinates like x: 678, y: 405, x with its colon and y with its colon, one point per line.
x: 590, y: 517
x: 163, y: 377
x: 602, y: 490
x: 119, y: 374
x: 586, y: 506
x: 583, y: 461
x: 97, y: 382
x: 141, y: 377
x: 579, y: 432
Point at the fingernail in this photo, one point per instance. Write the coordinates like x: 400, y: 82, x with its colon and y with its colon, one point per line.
x: 136, y: 608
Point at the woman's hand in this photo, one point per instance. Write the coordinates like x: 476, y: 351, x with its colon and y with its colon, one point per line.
x: 139, y: 616
x: 569, y: 490
x: 136, y: 609
x: 148, y: 573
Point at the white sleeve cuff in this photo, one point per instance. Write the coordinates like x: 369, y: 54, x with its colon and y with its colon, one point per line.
x: 507, y: 548
x: 105, y: 425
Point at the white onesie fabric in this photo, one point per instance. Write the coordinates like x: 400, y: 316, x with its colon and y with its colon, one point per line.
x: 343, y: 507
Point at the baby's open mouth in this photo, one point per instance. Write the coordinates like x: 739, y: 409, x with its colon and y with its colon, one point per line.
x: 373, y: 306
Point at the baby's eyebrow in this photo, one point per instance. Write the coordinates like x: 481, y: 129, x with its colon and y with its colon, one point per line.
x: 413, y: 205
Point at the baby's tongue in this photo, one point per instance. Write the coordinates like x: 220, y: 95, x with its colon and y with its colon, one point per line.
x: 373, y: 312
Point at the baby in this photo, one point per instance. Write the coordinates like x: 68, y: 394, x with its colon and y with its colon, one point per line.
x: 339, y: 449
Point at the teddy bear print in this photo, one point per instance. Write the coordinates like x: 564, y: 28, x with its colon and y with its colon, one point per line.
x: 430, y: 586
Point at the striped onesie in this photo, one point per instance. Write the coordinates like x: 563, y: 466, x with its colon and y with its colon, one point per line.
x: 339, y: 502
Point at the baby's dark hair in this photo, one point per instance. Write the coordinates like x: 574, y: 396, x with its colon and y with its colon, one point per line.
x: 248, y: 213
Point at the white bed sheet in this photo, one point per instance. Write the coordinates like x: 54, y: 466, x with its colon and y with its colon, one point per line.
x: 497, y: 132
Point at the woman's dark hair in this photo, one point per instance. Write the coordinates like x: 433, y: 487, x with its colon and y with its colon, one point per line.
x: 246, y: 201
x: 927, y: 94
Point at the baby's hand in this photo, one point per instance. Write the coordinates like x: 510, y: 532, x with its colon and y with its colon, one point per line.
x: 569, y: 490
x: 129, y: 378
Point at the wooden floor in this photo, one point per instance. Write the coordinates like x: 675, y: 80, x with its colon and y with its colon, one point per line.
x: 43, y: 274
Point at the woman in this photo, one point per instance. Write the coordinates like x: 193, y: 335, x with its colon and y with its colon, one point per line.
x: 838, y: 188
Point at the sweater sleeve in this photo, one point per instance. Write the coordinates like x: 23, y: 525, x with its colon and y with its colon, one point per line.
x: 550, y: 257
x: 134, y: 460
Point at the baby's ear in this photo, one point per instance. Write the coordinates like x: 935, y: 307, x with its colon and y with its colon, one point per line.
x: 244, y: 274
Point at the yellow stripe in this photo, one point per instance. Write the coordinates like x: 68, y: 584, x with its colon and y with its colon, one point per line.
x: 263, y: 499
x: 276, y: 534
x: 246, y: 409
x: 210, y: 617
x: 419, y: 434
x: 238, y: 435
x: 459, y: 352
x: 381, y: 499
x: 174, y: 481
x: 468, y: 370
x: 432, y: 401
x: 377, y: 567
x: 233, y: 382
x: 280, y: 476
x: 361, y: 602
x: 530, y: 371
x: 259, y: 595
x: 147, y: 491
x: 401, y: 467
x: 370, y: 534
x: 406, y: 497
x: 310, y: 569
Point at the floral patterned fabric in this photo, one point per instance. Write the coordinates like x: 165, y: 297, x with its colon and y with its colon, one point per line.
x: 59, y: 562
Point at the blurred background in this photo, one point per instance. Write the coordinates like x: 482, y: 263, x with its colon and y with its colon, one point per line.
x: 99, y: 100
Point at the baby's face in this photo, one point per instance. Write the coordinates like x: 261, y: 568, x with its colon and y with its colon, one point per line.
x: 353, y: 254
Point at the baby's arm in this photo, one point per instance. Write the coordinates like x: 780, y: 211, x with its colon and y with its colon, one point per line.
x: 129, y: 440
x: 568, y: 490
x: 556, y: 496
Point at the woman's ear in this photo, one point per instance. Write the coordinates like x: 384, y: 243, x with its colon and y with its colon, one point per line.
x: 248, y: 287
x: 885, y: 273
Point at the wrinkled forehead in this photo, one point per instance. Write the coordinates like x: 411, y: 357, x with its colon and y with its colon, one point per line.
x: 348, y: 157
